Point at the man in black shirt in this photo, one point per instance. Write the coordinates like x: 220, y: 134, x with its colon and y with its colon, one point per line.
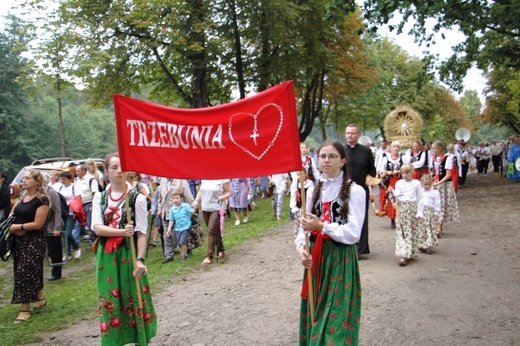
x: 360, y: 163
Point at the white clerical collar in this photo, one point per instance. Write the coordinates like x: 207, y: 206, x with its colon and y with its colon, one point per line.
x: 331, y: 180
x: 352, y: 146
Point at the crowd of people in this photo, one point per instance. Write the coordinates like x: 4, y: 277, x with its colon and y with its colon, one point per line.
x: 329, y: 204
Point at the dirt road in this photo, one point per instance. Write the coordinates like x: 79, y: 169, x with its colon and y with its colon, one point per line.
x: 466, y: 293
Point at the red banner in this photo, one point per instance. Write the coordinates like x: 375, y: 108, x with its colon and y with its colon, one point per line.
x: 252, y: 137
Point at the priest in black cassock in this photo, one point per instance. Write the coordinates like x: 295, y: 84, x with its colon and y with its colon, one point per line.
x: 360, y: 163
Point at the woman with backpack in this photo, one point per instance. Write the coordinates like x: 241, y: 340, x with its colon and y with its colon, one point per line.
x: 68, y: 191
x: 91, y: 167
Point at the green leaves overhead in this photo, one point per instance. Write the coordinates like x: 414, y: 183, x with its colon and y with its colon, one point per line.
x: 491, y: 30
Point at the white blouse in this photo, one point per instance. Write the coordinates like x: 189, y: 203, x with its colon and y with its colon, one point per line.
x: 350, y: 232
x: 141, y: 213
x: 432, y: 199
x: 410, y: 191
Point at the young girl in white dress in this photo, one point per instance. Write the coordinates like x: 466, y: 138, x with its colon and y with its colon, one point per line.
x: 432, y: 211
x: 408, y: 193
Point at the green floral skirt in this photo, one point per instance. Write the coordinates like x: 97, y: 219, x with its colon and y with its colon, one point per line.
x: 121, y: 321
x: 338, y: 302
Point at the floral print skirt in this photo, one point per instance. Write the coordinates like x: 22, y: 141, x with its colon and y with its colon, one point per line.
x: 428, y: 230
x: 406, y: 231
x: 449, y: 206
x: 28, y: 257
x: 338, y: 302
x: 121, y: 320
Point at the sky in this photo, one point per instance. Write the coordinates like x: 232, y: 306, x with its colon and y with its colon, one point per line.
x: 473, y: 81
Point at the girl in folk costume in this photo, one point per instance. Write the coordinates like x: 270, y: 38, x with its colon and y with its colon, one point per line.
x: 418, y: 159
x: 455, y: 171
x: 441, y: 169
x: 390, y: 166
x: 432, y: 210
x: 335, y: 214
x: 408, y: 194
x: 311, y: 174
x: 123, y: 318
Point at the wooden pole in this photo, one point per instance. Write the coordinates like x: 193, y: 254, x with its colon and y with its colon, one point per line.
x: 132, y: 245
x: 307, y: 246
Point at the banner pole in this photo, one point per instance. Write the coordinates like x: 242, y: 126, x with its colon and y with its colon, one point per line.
x: 151, y: 222
x: 307, y: 245
x: 132, y: 244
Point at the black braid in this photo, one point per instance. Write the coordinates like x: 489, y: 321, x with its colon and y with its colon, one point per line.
x: 315, y: 196
x: 345, y: 192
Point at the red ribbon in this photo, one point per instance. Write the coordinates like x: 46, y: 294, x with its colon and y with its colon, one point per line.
x: 113, y: 243
x: 317, y: 254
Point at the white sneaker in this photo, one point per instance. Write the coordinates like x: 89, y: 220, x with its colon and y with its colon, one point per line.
x: 65, y: 258
x: 77, y: 253
x: 245, y: 219
x: 237, y: 222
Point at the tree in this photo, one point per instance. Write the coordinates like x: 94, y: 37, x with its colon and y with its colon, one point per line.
x: 491, y: 29
x: 401, y: 79
x: 14, y: 141
x: 503, y: 104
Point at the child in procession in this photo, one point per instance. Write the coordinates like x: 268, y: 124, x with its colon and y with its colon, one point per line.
x: 409, y: 207
x: 180, y: 221
x: 280, y: 182
x: 432, y: 211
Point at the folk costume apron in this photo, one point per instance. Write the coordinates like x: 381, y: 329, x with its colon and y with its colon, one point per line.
x: 121, y: 321
x: 337, y: 288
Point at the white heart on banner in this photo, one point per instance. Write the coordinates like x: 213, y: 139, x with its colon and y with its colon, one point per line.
x: 255, y: 133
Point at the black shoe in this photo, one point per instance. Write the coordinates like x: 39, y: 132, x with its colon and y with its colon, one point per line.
x: 53, y: 278
x: 166, y: 260
x: 392, y: 223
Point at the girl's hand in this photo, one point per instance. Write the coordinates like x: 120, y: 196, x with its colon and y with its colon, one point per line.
x: 129, y: 230
x: 139, y: 270
x: 312, y: 223
x: 305, y: 258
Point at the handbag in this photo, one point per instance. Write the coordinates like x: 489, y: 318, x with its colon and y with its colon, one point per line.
x: 76, y: 205
x: 6, y: 239
x: 511, y: 168
x: 195, y: 235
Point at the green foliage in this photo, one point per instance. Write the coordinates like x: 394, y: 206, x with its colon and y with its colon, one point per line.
x: 487, y: 133
x: 74, y: 298
x: 15, y: 138
x: 471, y: 104
x: 503, y: 106
x: 490, y: 28
x: 29, y: 115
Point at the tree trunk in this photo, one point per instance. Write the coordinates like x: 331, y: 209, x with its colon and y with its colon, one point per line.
x: 238, y: 50
x: 197, y: 57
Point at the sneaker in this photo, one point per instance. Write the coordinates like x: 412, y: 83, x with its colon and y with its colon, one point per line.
x: 237, y: 222
x: 184, y: 257
x: 166, y: 260
x: 65, y: 258
x: 77, y: 253
x: 245, y: 219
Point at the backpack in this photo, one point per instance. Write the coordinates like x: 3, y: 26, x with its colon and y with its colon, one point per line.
x: 63, y: 205
x: 100, y: 188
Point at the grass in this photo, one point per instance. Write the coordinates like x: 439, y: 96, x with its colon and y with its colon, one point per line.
x: 74, y: 297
